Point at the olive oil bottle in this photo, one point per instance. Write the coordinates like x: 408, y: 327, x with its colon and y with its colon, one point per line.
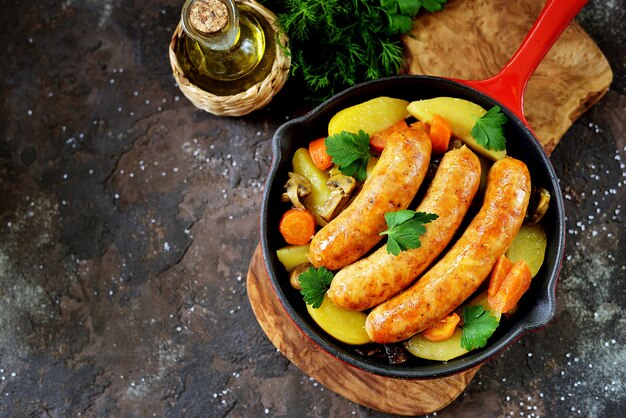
x: 225, y: 48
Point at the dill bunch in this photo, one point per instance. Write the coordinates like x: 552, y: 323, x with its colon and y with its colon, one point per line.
x: 336, y: 44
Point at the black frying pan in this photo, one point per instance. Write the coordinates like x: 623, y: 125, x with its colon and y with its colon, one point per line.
x: 506, y: 89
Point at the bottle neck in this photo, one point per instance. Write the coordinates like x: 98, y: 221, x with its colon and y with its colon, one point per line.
x: 214, y: 24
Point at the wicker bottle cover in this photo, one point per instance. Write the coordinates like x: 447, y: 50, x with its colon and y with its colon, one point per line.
x: 221, y: 91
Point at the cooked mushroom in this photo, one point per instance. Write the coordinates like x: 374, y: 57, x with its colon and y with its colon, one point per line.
x: 538, y: 205
x: 296, y: 187
x: 294, y: 275
x: 341, y: 187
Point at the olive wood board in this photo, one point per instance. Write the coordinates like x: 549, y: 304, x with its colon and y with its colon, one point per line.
x: 394, y: 396
x: 474, y: 39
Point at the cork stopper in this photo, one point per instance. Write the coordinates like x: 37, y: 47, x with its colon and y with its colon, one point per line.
x: 208, y: 16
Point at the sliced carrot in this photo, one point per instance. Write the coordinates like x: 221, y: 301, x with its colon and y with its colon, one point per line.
x: 440, y: 134
x: 297, y: 226
x: 499, y: 272
x: 317, y: 151
x: 443, y: 329
x: 514, y: 285
x: 379, y: 139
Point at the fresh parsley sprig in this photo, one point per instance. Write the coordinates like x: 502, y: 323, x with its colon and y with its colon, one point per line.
x: 315, y: 283
x: 478, y: 326
x: 350, y: 152
x: 404, y: 229
x: 489, y: 131
x: 336, y: 44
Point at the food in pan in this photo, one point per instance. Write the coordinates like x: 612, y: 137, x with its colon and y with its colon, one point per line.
x: 462, y: 116
x: 391, y: 186
x: 464, y: 267
x: 377, y: 277
x: 437, y: 278
x: 371, y: 116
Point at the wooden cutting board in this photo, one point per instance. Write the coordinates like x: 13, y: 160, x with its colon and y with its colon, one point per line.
x: 396, y: 396
x: 469, y: 39
x: 473, y: 40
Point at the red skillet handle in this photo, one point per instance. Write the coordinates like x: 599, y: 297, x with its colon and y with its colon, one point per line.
x: 508, y: 85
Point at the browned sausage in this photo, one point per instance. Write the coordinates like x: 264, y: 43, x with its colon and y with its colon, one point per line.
x: 465, y: 266
x: 374, y: 279
x: 392, y: 185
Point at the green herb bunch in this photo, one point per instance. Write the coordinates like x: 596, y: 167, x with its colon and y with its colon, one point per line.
x: 335, y: 44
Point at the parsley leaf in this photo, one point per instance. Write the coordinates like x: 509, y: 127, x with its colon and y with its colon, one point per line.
x: 315, y: 283
x: 409, y: 7
x: 433, y: 5
x: 350, y: 152
x: 488, y: 130
x: 390, y: 6
x: 405, y: 228
x: 400, y: 23
x: 478, y: 326
x: 401, y: 12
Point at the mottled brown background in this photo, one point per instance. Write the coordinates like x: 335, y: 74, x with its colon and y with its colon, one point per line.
x: 128, y: 218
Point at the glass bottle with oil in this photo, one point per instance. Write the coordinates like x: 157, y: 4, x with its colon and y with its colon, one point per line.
x: 225, y: 47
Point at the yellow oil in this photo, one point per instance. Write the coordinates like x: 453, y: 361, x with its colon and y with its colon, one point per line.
x: 230, y: 71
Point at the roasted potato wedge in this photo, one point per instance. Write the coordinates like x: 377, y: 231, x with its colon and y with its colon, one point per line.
x: 346, y: 326
x: 461, y: 114
x: 370, y: 117
x: 529, y: 245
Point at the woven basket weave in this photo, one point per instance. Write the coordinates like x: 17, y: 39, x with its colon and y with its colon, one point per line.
x: 247, y: 101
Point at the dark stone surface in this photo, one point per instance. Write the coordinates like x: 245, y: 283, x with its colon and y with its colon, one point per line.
x: 128, y: 218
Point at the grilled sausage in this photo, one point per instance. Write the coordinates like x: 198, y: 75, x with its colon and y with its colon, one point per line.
x: 374, y: 279
x: 392, y: 185
x: 465, y: 266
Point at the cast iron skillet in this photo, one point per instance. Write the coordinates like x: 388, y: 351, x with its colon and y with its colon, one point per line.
x: 506, y: 89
